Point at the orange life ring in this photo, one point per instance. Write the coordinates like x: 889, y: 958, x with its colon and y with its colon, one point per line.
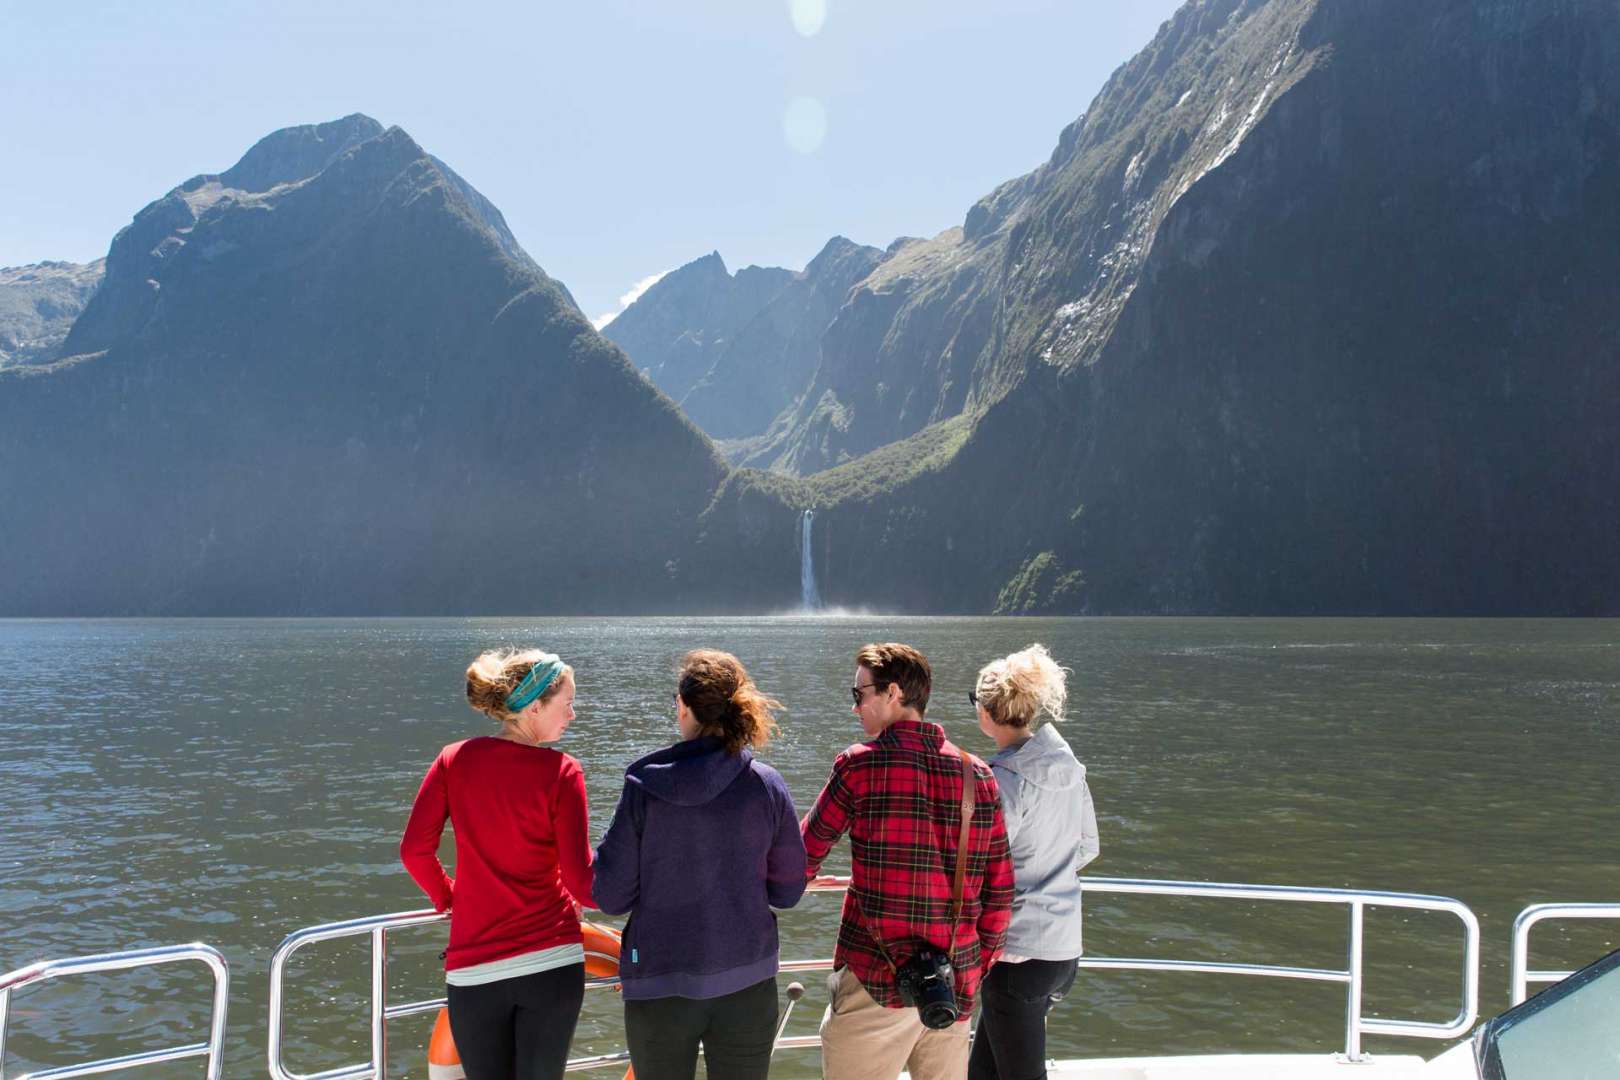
x: 601, y: 961
x: 601, y: 949
x: 444, y: 1063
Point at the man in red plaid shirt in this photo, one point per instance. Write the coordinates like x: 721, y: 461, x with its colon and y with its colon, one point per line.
x: 899, y: 796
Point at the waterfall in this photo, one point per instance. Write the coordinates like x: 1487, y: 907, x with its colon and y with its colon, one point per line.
x: 808, y: 599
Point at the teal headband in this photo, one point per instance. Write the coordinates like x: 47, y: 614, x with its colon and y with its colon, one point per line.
x: 543, y: 674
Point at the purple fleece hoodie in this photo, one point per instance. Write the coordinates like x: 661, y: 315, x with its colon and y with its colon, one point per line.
x: 702, y: 846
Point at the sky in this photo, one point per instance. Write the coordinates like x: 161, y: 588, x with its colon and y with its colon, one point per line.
x: 620, y: 139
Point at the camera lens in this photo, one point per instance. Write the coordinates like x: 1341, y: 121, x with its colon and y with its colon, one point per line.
x: 937, y: 1014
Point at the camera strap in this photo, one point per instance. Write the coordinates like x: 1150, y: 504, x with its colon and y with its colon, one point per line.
x: 969, y: 800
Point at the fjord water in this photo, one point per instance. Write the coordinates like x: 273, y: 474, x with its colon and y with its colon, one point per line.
x: 233, y: 781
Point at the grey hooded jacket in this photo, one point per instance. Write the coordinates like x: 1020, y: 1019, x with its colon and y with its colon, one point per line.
x: 1052, y: 829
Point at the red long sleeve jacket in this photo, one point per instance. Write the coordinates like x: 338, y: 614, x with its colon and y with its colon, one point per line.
x: 523, y: 850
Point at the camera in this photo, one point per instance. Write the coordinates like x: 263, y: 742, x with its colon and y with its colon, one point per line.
x: 925, y: 981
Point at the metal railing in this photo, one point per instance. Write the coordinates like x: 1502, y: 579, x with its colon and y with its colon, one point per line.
x: 1518, y: 988
x: 123, y: 961
x: 377, y: 927
x: 1356, y: 1025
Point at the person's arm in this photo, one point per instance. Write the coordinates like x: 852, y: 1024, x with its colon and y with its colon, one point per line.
x: 1090, y: 843
x: 829, y: 818
x: 617, y: 881
x: 995, y: 893
x: 572, y: 815
x: 419, y: 847
x: 785, y: 876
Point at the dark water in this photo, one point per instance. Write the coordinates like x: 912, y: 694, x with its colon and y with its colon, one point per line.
x: 232, y: 781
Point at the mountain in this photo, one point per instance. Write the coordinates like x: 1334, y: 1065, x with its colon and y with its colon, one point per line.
x: 327, y: 380
x: 898, y: 354
x: 676, y: 329
x: 735, y: 352
x: 1315, y: 310
x: 38, y: 304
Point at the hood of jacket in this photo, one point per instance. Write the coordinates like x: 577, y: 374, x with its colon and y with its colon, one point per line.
x: 1044, y: 759
x: 689, y: 773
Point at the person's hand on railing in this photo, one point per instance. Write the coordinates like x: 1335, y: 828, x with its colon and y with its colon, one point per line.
x: 829, y: 881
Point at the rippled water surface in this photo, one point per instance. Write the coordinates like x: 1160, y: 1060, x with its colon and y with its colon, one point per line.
x: 233, y: 781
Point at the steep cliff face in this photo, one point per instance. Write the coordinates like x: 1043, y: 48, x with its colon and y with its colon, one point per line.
x: 340, y: 393
x: 1043, y: 265
x: 890, y: 360
x: 736, y: 352
x: 1316, y: 310
x: 38, y: 304
x: 771, y: 359
x: 1373, y: 361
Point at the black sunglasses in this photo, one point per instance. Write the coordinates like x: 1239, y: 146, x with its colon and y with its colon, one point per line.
x: 856, y: 691
x: 973, y: 698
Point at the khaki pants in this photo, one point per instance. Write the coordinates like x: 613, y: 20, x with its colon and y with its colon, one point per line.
x: 862, y: 1040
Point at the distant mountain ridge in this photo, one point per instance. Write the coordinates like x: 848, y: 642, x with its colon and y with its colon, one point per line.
x: 736, y: 351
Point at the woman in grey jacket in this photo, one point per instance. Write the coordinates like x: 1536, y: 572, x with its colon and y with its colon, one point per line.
x: 1052, y: 829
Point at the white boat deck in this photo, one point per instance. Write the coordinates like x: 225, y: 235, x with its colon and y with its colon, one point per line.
x: 1457, y: 1062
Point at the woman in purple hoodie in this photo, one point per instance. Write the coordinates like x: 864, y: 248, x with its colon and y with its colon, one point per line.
x: 705, y: 841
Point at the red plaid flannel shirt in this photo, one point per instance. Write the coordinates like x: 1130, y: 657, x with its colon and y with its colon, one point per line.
x: 900, y: 799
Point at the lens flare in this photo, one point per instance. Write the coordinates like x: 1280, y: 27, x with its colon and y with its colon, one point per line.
x: 804, y: 124
x: 808, y: 15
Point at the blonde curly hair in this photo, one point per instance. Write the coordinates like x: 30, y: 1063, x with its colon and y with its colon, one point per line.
x: 495, y: 674
x: 1018, y: 690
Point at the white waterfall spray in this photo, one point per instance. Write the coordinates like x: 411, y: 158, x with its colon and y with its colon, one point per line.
x: 809, y: 599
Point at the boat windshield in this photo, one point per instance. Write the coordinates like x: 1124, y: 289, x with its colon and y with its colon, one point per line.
x: 1566, y: 1031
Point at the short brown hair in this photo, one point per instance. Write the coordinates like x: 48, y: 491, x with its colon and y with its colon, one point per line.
x: 892, y: 662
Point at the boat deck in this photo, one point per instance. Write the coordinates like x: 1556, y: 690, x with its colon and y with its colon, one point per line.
x: 1457, y: 1062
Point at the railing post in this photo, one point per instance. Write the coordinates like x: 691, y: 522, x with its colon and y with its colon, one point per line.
x: 5, y: 1009
x: 1352, y: 1012
x: 216, y: 1021
x: 1518, y: 982
x: 379, y: 990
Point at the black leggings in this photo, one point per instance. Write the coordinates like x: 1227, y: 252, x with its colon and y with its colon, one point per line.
x: 1014, y: 999
x: 520, y: 1028
x: 736, y: 1032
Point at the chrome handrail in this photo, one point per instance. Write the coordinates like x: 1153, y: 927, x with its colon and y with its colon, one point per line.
x: 1358, y: 901
x: 377, y: 927
x: 1356, y: 1025
x: 1518, y: 986
x: 123, y: 961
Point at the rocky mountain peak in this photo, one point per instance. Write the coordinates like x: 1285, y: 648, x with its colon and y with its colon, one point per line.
x: 297, y: 153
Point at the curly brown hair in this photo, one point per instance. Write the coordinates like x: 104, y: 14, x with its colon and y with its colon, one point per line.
x: 724, y: 700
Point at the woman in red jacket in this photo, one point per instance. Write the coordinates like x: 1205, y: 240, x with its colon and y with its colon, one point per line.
x: 515, y: 969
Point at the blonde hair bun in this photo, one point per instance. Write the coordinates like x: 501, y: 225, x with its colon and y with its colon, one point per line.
x: 1019, y: 689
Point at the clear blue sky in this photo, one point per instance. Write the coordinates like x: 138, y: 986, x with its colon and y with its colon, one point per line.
x: 619, y: 138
